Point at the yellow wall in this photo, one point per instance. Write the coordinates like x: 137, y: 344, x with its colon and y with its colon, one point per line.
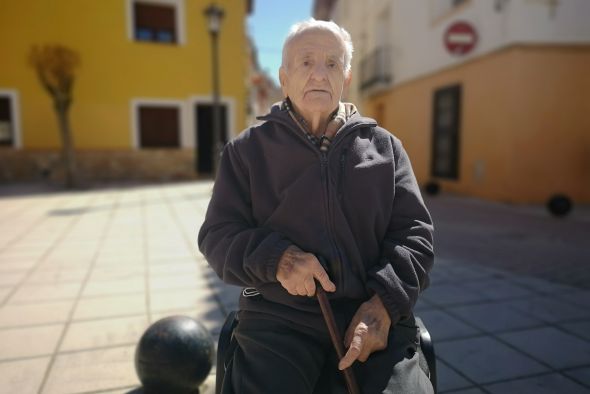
x: 114, y: 69
x: 525, y: 121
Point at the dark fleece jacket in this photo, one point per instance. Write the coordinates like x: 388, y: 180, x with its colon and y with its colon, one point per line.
x: 358, y: 206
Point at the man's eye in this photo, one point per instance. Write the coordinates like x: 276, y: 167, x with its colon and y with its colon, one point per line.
x: 306, y: 63
x: 331, y: 65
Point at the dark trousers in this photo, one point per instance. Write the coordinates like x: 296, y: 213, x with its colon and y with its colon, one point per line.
x: 278, y: 356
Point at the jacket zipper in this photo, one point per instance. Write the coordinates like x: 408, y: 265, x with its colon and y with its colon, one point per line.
x: 336, y: 262
x: 341, y: 174
x: 335, y: 265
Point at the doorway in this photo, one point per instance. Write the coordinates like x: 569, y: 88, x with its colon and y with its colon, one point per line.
x: 204, y: 132
x: 446, y: 125
x: 7, y: 137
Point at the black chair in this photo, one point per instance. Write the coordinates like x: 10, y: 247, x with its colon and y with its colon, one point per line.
x: 226, y: 345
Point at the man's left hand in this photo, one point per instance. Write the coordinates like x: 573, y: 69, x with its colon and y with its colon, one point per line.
x: 366, y: 333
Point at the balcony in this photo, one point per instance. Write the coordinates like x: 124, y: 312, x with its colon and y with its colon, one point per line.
x: 376, y: 70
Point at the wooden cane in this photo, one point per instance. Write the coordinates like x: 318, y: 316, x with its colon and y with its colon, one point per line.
x: 351, y: 384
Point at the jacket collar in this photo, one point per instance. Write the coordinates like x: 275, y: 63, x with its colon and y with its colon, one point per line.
x: 281, y: 115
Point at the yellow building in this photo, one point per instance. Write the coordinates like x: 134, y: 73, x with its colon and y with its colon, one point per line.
x: 142, y: 104
x: 490, y: 98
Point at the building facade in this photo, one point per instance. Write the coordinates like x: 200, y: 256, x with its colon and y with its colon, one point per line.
x: 489, y: 97
x: 142, y: 106
x: 264, y: 92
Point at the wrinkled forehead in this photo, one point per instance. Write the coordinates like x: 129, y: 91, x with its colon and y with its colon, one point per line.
x: 313, y: 41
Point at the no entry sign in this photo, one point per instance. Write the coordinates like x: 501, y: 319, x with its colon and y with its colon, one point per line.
x: 460, y: 38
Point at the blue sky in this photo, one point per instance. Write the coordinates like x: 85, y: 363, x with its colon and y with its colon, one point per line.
x: 269, y: 24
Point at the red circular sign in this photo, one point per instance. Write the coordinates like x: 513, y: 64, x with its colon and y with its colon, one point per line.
x: 460, y: 38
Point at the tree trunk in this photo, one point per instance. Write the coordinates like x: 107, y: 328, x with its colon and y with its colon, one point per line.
x: 68, y: 154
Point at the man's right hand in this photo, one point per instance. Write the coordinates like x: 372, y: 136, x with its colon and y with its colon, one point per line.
x: 297, y: 270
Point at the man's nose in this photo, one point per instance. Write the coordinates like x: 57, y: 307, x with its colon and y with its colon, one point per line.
x: 319, y: 72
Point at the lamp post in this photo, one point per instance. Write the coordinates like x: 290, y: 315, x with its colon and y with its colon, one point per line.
x: 214, y: 15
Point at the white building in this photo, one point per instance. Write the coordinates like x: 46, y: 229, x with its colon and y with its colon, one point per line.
x: 481, y: 92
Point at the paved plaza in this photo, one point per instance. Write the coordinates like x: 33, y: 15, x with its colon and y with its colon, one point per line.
x: 83, y: 274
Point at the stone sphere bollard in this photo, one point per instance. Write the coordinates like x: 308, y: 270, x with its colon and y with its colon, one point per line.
x: 432, y: 188
x: 174, y: 355
x: 559, y: 205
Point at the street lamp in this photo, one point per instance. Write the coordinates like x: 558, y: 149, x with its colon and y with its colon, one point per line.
x: 214, y: 15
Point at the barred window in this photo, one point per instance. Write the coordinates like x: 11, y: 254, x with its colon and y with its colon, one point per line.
x: 159, y: 127
x: 155, y: 22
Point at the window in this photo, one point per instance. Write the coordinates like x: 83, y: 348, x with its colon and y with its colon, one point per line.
x: 6, y: 122
x: 443, y: 9
x: 155, y: 22
x: 159, y: 127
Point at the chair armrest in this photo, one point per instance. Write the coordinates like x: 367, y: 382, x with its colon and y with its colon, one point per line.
x: 223, y: 345
x: 427, y: 348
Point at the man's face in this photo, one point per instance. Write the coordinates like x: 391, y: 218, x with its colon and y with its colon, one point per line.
x: 314, y: 76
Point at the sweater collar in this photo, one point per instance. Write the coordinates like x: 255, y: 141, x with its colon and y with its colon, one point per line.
x: 278, y: 113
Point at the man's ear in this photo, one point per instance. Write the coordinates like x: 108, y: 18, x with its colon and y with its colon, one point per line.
x: 283, y: 80
x: 348, y: 79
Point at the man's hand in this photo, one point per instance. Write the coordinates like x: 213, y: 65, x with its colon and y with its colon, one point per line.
x: 296, y: 272
x: 366, y: 333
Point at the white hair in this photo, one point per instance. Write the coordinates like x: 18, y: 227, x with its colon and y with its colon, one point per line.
x: 313, y: 24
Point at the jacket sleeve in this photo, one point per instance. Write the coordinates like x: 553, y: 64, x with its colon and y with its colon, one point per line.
x: 407, y: 253
x: 239, y: 251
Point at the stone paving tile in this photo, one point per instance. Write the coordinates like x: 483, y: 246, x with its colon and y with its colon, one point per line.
x: 21, y: 254
x: 494, y: 317
x: 486, y: 360
x: 111, y: 306
x: 50, y: 292
x: 448, y: 379
x: 29, y: 341
x: 161, y: 301
x: 422, y: 305
x: 9, y: 279
x: 540, y: 285
x: 188, y: 267
x: 580, y: 375
x: 576, y: 297
x: 119, y: 261
x: 552, y: 346
x: 473, y: 390
x: 19, y: 315
x: 449, y: 271
x: 22, y: 376
x: 4, y: 292
x: 104, y: 332
x: 451, y: 294
x: 108, y: 273
x: 92, y: 371
x: 544, y: 384
x: 162, y: 257
x: 498, y: 289
x: 56, y: 275
x: 114, y: 287
x: 443, y: 326
x: 581, y: 328
x: 182, y: 281
x: 549, y: 309
x: 16, y: 266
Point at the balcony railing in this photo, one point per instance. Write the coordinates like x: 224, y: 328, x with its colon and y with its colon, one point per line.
x: 376, y: 68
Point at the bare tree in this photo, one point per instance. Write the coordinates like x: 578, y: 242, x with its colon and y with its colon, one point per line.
x: 55, y: 66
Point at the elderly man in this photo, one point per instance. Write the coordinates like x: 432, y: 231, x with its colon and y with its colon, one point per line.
x: 319, y: 193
